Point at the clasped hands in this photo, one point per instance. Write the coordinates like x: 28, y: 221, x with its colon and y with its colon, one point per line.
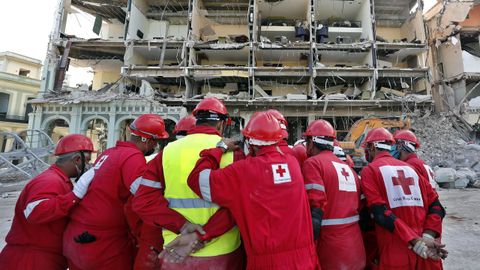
x: 185, y: 244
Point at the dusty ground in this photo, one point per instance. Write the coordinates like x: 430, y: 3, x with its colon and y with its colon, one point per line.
x: 461, y: 226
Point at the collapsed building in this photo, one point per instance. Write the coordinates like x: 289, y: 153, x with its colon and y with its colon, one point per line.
x: 337, y: 60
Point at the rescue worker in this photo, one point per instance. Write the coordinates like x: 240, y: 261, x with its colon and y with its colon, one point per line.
x: 404, y: 149
x: 334, y: 193
x: 97, y: 236
x: 265, y: 194
x: 165, y: 200
x: 300, y: 152
x: 149, y: 239
x: 340, y: 153
x: 401, y: 203
x: 41, y: 213
x: 183, y: 126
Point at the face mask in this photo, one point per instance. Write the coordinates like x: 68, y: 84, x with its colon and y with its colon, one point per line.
x: 394, y: 152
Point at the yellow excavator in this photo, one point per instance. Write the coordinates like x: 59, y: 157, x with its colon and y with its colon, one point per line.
x: 352, y: 143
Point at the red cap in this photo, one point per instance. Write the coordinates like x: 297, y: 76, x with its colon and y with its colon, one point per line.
x: 149, y: 126
x: 185, y: 124
x: 212, y: 105
x: 320, y: 128
x: 406, y: 135
x: 264, y: 128
x: 282, y: 120
x: 378, y: 135
x: 73, y: 143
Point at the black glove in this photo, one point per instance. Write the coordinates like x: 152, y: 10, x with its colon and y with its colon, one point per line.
x: 317, y: 215
x: 85, y: 238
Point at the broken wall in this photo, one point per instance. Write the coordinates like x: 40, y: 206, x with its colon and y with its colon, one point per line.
x: 473, y: 18
x: 113, y: 31
x: 138, y: 24
x: 450, y: 58
x: 414, y: 28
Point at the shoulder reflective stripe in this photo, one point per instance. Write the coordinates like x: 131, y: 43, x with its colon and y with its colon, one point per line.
x: 340, y: 221
x: 189, y: 203
x: 314, y: 186
x: 29, y: 209
x: 134, y: 186
x: 150, y: 183
x: 204, y: 182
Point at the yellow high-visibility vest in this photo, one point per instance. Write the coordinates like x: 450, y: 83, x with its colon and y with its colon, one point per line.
x: 179, y: 159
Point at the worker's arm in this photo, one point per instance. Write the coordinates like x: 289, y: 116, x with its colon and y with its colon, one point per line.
x: 48, y: 202
x: 211, y: 183
x: 149, y: 202
x: 435, y: 210
x: 315, y: 187
x: 383, y: 216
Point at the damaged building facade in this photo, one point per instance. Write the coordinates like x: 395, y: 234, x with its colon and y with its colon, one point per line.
x: 332, y: 59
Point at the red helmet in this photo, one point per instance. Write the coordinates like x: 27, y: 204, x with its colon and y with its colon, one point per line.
x: 185, y: 124
x: 264, y: 128
x: 73, y: 143
x: 282, y: 120
x: 320, y: 128
x: 212, y: 105
x: 300, y: 152
x: 406, y: 135
x: 378, y: 135
x: 149, y: 126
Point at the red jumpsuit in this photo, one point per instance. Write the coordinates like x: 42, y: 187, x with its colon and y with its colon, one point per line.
x: 152, y: 207
x: 102, y: 212
x: 333, y: 187
x: 41, y: 215
x: 267, y: 199
x: 427, y: 173
x: 394, y: 184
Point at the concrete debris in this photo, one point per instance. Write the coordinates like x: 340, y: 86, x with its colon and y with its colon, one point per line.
x: 445, y: 175
x: 296, y: 97
x: 386, y: 90
x: 474, y: 103
x: 456, y: 163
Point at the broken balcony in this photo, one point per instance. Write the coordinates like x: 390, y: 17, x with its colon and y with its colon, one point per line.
x: 343, y: 22
x: 399, y: 24
x: 282, y: 24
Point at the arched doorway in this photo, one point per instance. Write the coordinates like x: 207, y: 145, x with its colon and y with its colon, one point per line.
x: 97, y: 130
x: 56, y: 128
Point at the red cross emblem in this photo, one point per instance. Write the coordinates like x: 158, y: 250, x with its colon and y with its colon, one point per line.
x: 345, y: 174
x: 280, y: 170
x: 404, y: 182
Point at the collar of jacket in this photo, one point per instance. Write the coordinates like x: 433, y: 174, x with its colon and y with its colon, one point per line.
x: 382, y: 155
x: 59, y: 171
x: 411, y: 156
x: 204, y: 130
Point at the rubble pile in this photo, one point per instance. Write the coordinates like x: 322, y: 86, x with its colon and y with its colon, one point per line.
x: 456, y: 163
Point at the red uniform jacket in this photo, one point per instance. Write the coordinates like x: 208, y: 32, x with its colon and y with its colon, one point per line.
x: 433, y: 221
x: 117, y: 176
x: 266, y: 196
x: 394, y: 183
x: 152, y: 207
x: 336, y: 186
x: 41, y: 215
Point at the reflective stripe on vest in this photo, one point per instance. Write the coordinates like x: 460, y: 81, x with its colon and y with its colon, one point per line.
x: 179, y: 159
x: 190, y: 203
x: 340, y: 221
